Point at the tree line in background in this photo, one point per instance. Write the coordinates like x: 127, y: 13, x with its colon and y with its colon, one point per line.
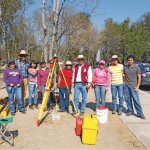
x: 66, y: 29
x: 126, y: 38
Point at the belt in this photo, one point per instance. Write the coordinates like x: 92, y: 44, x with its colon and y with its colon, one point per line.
x: 25, y: 77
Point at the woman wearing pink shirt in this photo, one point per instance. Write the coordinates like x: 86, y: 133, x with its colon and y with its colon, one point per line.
x: 33, y: 86
x: 102, y: 82
x: 42, y: 79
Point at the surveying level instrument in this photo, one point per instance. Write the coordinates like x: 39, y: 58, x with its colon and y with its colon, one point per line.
x: 48, y: 86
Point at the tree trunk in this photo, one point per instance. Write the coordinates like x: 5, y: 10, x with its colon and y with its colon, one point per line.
x: 54, y: 32
x: 45, y: 32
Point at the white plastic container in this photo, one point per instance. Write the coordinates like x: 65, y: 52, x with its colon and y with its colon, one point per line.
x: 102, y: 114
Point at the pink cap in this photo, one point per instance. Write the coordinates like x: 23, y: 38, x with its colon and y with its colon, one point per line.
x: 102, y: 62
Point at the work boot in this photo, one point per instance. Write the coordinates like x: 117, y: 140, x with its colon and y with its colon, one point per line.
x: 142, y: 117
x: 23, y: 112
x: 36, y: 106
x: 47, y: 108
x: 31, y: 107
x: 81, y: 113
x: 74, y: 113
x: 128, y: 114
x: 114, y: 111
x: 13, y: 113
x: 119, y: 112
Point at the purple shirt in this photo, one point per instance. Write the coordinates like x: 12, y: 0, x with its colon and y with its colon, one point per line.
x: 13, y: 76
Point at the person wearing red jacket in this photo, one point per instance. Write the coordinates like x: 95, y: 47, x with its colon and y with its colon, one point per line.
x: 82, y: 78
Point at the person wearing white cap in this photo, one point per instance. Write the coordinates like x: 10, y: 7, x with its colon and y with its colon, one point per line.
x: 82, y: 78
x: 23, y: 65
x: 64, y: 104
x: 116, y: 72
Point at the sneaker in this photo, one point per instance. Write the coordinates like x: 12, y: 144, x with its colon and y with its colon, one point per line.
x: 128, y: 114
x: 13, y: 113
x: 23, y: 112
x: 81, y: 113
x: 142, y: 117
x: 36, y: 106
x: 60, y: 110
x: 119, y: 112
x: 31, y: 107
x: 114, y: 111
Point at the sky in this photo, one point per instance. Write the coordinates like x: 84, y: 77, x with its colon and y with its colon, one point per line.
x: 118, y: 10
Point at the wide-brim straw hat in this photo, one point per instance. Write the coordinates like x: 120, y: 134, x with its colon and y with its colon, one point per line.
x: 68, y: 63
x: 23, y: 52
x: 115, y: 57
x: 81, y: 57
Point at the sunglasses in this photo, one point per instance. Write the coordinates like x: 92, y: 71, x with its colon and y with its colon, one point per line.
x: 23, y: 55
x: 80, y: 59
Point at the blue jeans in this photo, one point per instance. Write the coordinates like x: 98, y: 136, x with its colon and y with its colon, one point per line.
x: 64, y: 105
x: 79, y: 87
x: 100, y: 94
x: 130, y: 95
x: 43, y: 91
x: 114, y: 89
x: 33, y: 88
x: 14, y: 91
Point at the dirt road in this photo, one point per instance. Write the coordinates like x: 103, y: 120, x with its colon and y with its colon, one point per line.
x: 61, y: 135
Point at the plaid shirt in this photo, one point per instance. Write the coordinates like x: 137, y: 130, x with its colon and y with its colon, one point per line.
x: 23, y: 67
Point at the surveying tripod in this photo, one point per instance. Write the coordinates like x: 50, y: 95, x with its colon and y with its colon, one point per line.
x: 47, y: 89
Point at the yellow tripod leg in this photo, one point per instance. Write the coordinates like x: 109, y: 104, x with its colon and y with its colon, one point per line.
x: 68, y: 89
x: 46, y: 94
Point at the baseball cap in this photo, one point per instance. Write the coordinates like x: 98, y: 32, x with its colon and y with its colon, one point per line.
x: 102, y: 62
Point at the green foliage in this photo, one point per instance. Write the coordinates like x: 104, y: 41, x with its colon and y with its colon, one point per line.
x: 131, y: 39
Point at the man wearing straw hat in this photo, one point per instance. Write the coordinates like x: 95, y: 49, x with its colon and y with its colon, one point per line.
x: 23, y: 65
x: 82, y: 78
x: 116, y: 72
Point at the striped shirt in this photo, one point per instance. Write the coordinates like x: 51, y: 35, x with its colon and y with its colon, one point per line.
x: 116, y: 73
x: 23, y: 67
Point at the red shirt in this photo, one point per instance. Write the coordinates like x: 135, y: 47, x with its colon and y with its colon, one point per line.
x: 68, y: 77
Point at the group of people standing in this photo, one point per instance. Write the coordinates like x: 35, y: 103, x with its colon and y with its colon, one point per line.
x: 81, y: 78
x: 124, y: 81
x: 20, y: 75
